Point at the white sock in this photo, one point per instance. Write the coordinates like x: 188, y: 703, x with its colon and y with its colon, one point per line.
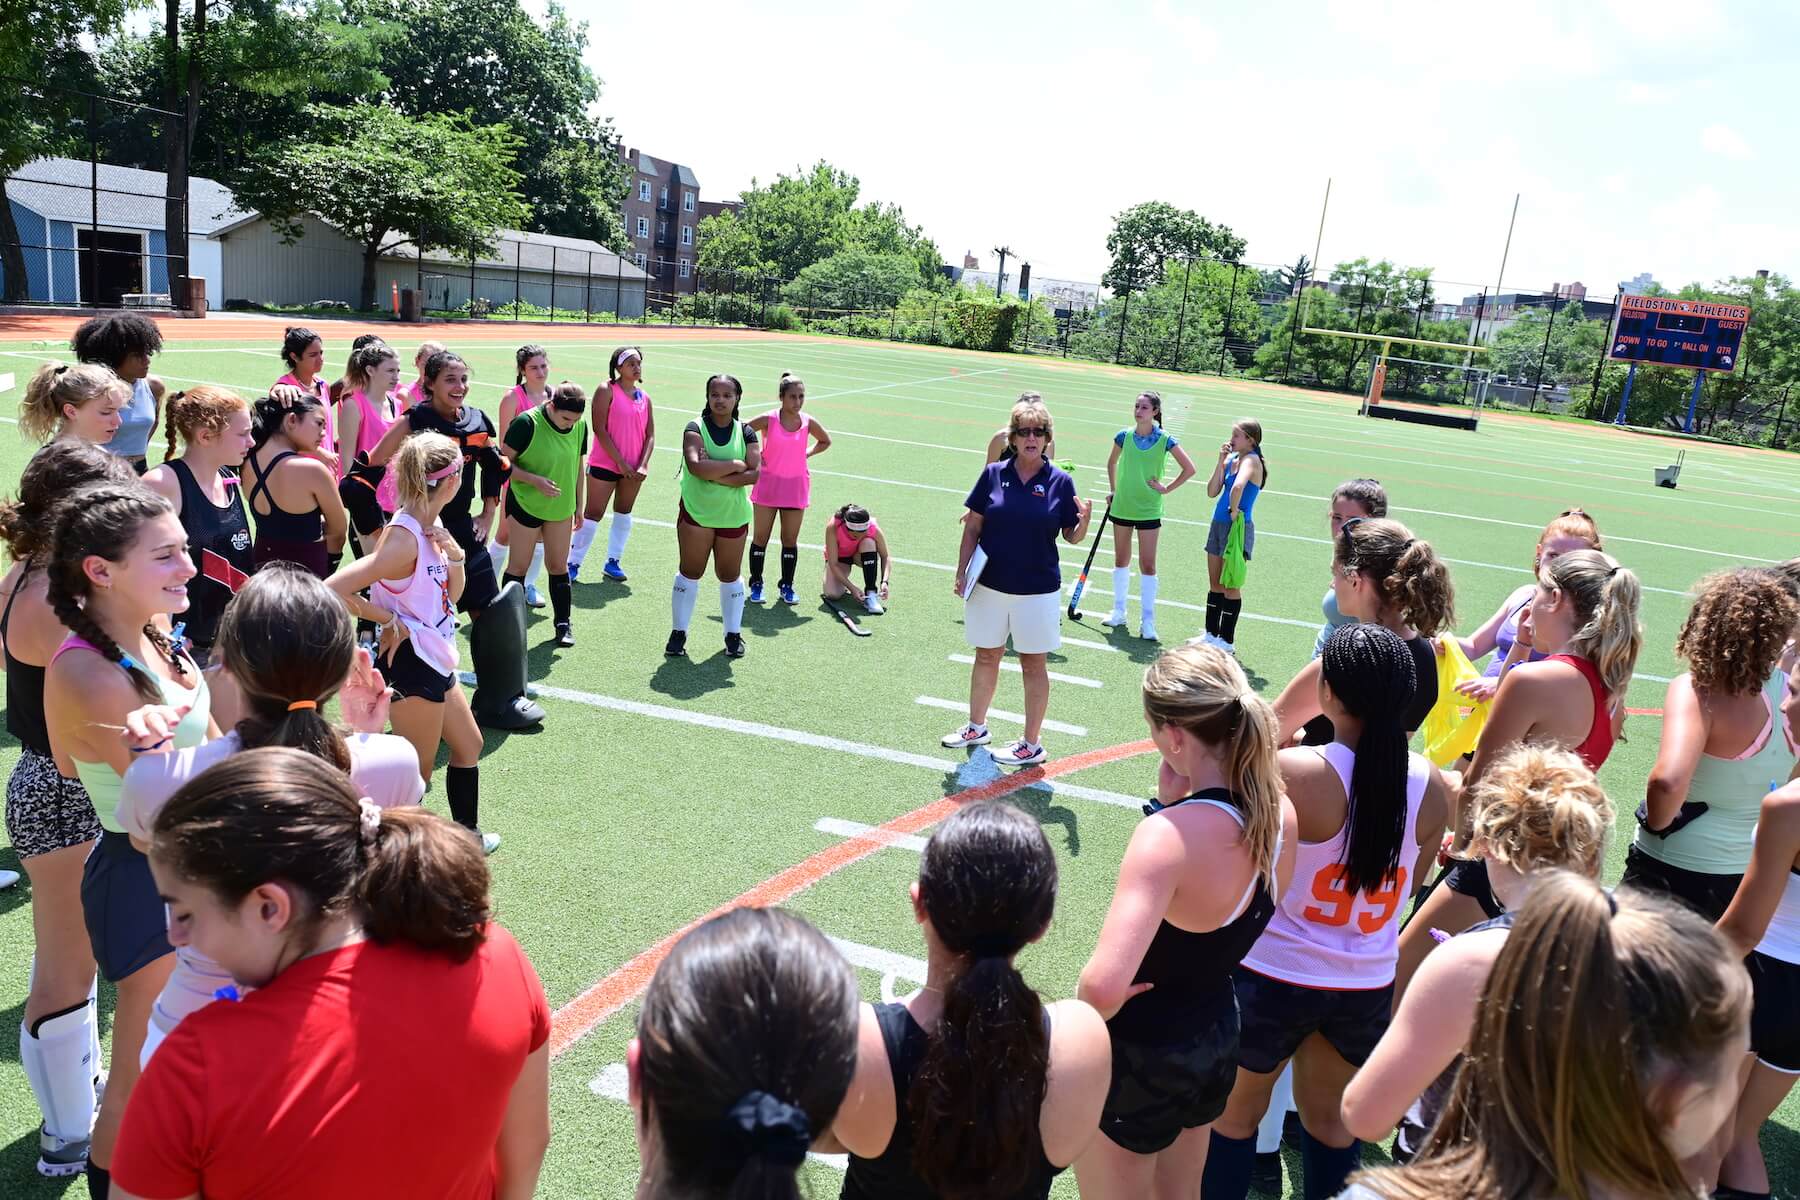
x: 1281, y: 1102
x: 731, y: 604
x: 584, y: 537
x: 1121, y: 582
x: 687, y: 591
x: 1147, y: 596
x: 615, y: 536
x: 499, y: 554
x: 537, y: 564
x: 59, y: 1065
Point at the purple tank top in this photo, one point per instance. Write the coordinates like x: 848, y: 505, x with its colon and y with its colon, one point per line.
x: 1503, y: 643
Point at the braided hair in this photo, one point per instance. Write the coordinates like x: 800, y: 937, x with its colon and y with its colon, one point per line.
x: 1371, y: 673
x: 104, y: 519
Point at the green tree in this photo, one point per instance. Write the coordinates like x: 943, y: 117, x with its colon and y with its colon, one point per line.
x: 378, y: 197
x: 854, y: 279
x: 43, y: 40
x: 1147, y: 236
x: 1178, y: 322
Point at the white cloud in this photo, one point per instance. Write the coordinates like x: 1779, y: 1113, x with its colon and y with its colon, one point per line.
x: 1724, y: 141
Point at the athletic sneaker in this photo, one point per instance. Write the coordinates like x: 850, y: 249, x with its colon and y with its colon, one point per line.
x: 565, y: 634
x: 872, y: 604
x: 1147, y: 631
x: 574, y: 572
x: 677, y: 647
x: 613, y: 571
x: 734, y: 645
x: 1265, y: 1175
x: 59, y: 1158
x: 1021, y: 754
x: 968, y: 735
x: 1116, y: 617
x: 787, y: 593
x: 490, y: 842
x: 468, y: 680
x: 532, y: 598
x: 8, y: 878
x: 1207, y: 639
x: 1226, y: 646
x: 756, y: 593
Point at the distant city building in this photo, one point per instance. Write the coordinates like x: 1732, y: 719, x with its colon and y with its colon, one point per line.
x: 1638, y: 285
x: 1499, y: 311
x: 970, y: 262
x: 662, y: 220
x: 1059, y: 294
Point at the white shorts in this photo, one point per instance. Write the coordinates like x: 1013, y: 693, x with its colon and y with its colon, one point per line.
x: 1034, y: 622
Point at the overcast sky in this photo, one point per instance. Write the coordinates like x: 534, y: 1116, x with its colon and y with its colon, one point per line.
x: 1643, y: 135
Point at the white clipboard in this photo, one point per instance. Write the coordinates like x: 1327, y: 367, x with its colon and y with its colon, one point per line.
x: 972, y: 572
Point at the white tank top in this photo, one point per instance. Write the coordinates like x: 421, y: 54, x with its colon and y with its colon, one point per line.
x: 422, y: 600
x: 1322, y: 936
x: 1782, y: 938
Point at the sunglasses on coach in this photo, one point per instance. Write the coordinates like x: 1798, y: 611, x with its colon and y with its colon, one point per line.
x: 1037, y: 431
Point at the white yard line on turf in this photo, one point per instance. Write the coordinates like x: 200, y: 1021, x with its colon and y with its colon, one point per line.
x: 1011, y: 718
x: 1015, y: 668
x: 1087, y: 645
x: 869, y: 833
x: 884, y: 962
x: 970, y: 772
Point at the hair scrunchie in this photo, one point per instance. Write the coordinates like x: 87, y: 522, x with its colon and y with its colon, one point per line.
x: 368, y: 820
x: 770, y: 1128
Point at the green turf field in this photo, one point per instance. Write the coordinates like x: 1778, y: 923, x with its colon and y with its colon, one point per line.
x: 659, y: 790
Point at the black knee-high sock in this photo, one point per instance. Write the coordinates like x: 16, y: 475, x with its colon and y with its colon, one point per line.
x: 560, y: 597
x: 1229, y: 609
x: 790, y: 558
x: 1327, y: 1168
x: 462, y: 787
x: 1229, y: 1162
x: 871, y: 565
x: 1213, y: 600
x: 99, y: 1181
x: 757, y: 556
x: 518, y: 579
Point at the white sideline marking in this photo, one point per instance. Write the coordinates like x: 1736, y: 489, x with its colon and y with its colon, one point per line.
x: 1087, y: 645
x: 869, y: 833
x: 960, y: 706
x: 912, y: 383
x: 613, y: 1083
x: 873, y: 958
x: 970, y: 772
x: 1078, y: 680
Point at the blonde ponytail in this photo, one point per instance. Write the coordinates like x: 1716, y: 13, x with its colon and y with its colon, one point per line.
x: 1606, y: 598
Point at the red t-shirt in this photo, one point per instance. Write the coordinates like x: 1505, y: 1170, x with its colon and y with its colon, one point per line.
x: 367, y: 1071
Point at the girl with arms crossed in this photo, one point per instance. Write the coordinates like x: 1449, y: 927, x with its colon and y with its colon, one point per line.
x: 624, y: 436
x: 1196, y: 889
x: 1134, y: 472
x: 720, y: 459
x: 1237, y: 478
x: 784, y: 486
x: 545, y: 445
x: 531, y: 387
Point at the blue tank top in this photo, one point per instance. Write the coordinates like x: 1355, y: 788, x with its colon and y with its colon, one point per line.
x: 137, y: 421
x: 1222, y: 510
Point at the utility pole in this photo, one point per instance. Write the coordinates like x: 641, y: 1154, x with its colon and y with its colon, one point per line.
x: 1000, y: 278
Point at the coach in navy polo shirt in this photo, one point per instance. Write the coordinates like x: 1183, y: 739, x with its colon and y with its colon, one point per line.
x: 1016, y: 510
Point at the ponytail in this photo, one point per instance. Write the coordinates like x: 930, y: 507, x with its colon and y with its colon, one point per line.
x: 278, y: 814
x: 1205, y: 692
x: 1410, y: 580
x: 523, y: 355
x: 789, y: 381
x: 57, y: 385
x: 1606, y: 598
x: 288, y: 642
x: 1371, y: 673
x: 747, y: 1045
x: 206, y: 406
x: 987, y: 883
x: 1252, y: 429
x: 269, y: 415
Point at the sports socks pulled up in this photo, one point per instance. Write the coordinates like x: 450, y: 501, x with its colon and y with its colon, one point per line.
x: 1229, y: 610
x: 1326, y: 1169
x: 57, y: 1052
x: 871, y: 570
x: 731, y: 605
x: 1229, y: 1162
x: 561, y: 597
x: 1147, y: 598
x: 1213, y: 602
x: 681, y: 602
x: 616, y: 535
x: 790, y: 558
x: 759, y: 554
x: 462, y: 789
x: 578, y: 545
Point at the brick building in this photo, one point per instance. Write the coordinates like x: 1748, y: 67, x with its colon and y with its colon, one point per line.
x: 662, y: 220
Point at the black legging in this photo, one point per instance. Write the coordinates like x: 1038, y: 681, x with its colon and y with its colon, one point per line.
x: 479, y: 585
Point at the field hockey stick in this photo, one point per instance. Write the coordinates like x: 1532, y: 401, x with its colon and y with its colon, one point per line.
x: 1081, y: 583
x: 846, y: 618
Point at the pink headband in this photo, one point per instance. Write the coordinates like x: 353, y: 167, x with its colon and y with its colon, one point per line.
x: 445, y: 473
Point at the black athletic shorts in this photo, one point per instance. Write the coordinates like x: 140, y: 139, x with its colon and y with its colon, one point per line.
x: 412, y: 678
x: 1278, y: 1016
x: 1155, y: 523
x: 358, y: 494
x: 1469, y: 877
x: 1774, y: 1033
x: 604, y: 475
x: 1160, y: 1090
x: 126, y: 921
x: 1708, y: 895
x: 514, y: 512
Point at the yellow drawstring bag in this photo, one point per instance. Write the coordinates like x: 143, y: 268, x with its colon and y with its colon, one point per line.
x: 1453, y: 725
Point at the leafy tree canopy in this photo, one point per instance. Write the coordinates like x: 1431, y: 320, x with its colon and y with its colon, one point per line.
x: 1147, y: 236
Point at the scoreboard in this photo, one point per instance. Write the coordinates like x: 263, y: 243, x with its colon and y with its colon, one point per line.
x: 1695, y: 334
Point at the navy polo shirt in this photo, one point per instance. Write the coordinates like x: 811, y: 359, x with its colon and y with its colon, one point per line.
x: 1020, y: 523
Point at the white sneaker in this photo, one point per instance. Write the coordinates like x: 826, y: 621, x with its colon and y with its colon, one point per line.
x: 1021, y: 754
x: 872, y: 604
x: 8, y: 878
x: 968, y: 735
x: 1148, y: 631
x: 1226, y: 646
x: 1204, y: 639
x: 1117, y: 618
x: 490, y: 842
